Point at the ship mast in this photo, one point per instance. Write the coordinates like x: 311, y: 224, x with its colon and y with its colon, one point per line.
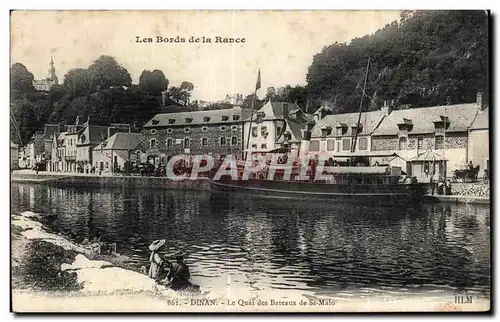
x: 353, y: 146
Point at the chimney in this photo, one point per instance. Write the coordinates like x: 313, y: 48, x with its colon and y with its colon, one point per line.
x: 386, y: 109
x: 164, y: 96
x: 77, y: 121
x: 305, y: 142
x: 285, y: 110
x: 479, y: 99
x: 448, y: 100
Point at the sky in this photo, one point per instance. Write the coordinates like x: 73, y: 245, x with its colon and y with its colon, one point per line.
x: 279, y: 43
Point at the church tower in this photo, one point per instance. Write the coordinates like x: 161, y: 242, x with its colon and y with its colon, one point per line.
x: 52, y: 72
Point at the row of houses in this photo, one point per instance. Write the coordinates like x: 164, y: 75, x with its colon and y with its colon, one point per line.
x: 450, y: 136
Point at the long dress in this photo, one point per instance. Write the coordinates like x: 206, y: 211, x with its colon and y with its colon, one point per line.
x: 156, y: 269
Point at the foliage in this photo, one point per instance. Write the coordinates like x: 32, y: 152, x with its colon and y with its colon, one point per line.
x: 186, y: 89
x: 153, y: 82
x: 105, y: 72
x: 21, y: 80
x: 425, y: 59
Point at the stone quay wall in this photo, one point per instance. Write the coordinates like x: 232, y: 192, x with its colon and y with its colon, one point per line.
x: 112, y: 181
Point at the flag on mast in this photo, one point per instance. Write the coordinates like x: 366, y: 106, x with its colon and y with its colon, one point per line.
x: 257, y: 86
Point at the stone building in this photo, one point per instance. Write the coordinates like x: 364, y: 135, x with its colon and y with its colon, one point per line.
x: 333, y: 134
x: 275, y: 125
x: 34, y: 150
x: 47, y: 83
x: 14, y: 156
x: 110, y: 155
x: 479, y: 140
x: 214, y: 132
x: 440, y: 129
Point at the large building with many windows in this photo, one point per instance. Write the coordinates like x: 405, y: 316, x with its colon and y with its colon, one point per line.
x: 215, y: 132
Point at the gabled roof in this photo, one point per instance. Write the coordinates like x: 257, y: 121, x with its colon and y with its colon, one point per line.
x: 460, y: 118
x: 50, y: 130
x: 428, y: 156
x: 198, y: 117
x: 295, y: 133
x: 482, y: 121
x: 122, y: 141
x: 369, y: 122
x: 274, y: 110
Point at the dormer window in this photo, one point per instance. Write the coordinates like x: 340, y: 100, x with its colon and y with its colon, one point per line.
x: 225, y: 118
x: 326, y: 130
x: 206, y: 119
x: 204, y: 129
x: 153, y: 131
x: 169, y: 131
x: 171, y: 121
x: 155, y: 122
x: 187, y: 130
x: 189, y: 120
x: 236, y: 117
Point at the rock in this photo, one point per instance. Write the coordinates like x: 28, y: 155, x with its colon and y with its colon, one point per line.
x: 113, y: 280
x: 83, y: 262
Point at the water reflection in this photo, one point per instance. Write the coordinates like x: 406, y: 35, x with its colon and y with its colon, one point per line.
x: 259, y: 244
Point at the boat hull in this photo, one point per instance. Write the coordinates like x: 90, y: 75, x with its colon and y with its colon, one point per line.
x: 379, y: 195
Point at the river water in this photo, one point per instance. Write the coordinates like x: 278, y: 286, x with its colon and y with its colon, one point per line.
x: 266, y: 246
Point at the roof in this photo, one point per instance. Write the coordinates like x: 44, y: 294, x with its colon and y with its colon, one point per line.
x: 428, y: 156
x: 482, y: 121
x: 369, y: 121
x: 122, y: 141
x: 294, y: 129
x: 50, y: 130
x: 198, y: 117
x: 96, y: 133
x: 460, y: 118
x: 274, y: 110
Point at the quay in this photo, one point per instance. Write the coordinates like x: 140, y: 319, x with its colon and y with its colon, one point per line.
x: 464, y: 193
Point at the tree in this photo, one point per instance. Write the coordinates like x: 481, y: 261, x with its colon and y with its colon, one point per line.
x: 176, y: 94
x: 186, y: 88
x: 77, y: 82
x: 21, y: 80
x: 106, y: 72
x: 271, y: 93
x: 153, y: 82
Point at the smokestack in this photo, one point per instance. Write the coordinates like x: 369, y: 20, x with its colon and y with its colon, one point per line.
x: 164, y: 97
x: 306, y: 140
x: 285, y: 110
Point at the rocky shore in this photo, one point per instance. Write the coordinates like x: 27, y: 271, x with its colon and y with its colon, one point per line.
x: 53, y: 274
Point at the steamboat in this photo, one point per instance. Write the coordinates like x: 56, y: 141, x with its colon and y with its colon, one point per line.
x: 310, y: 176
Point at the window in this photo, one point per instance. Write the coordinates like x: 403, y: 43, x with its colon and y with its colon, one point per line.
x: 222, y: 141
x: 263, y: 131
x: 402, y: 143
x: 363, y: 144
x: 254, y: 146
x: 420, y: 142
x: 153, y: 131
x: 314, y: 145
x: 189, y: 120
x: 263, y: 146
x: 204, y: 142
x: 138, y: 153
x: 171, y: 121
x: 155, y: 122
x: 254, y: 131
x: 346, y: 144
x: 236, y: 117
x: 187, y: 130
x: 224, y: 118
x: 169, y: 143
x: 278, y: 130
x: 204, y: 129
x: 339, y: 131
x: 330, y: 145
x: 439, y: 142
x: 152, y: 143
x: 187, y: 142
x: 234, y: 140
x: 169, y: 131
x: 234, y: 128
x: 206, y: 119
x: 223, y: 128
